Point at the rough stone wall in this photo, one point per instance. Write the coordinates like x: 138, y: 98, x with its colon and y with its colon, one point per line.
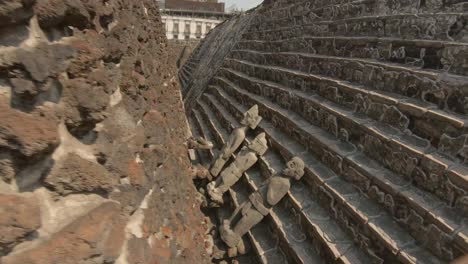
x: 92, y: 163
x: 373, y: 96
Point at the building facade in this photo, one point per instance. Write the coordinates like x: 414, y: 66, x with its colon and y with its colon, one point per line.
x: 184, y: 19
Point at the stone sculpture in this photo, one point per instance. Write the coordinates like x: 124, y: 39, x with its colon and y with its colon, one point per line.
x: 251, y: 120
x: 199, y: 143
x: 246, y: 158
x: 258, y: 206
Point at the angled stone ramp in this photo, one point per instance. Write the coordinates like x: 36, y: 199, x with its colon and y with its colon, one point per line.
x: 301, y: 250
x: 334, y: 243
x: 383, y: 228
x: 427, y: 54
x: 358, y: 128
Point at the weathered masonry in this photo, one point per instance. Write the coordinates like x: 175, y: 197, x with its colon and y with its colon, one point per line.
x: 373, y: 96
x: 93, y: 169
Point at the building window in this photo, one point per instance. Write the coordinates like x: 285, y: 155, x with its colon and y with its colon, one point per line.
x: 176, y: 28
x: 187, y: 37
x: 187, y: 28
x: 176, y: 36
x: 198, y: 32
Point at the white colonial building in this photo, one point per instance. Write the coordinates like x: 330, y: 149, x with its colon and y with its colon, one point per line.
x: 191, y: 19
x: 185, y: 27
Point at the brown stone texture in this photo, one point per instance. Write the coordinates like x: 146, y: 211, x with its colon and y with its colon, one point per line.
x: 90, y: 107
x: 19, y: 217
x: 14, y: 11
x: 76, y: 175
x: 372, y: 96
x: 35, y: 136
x: 96, y: 237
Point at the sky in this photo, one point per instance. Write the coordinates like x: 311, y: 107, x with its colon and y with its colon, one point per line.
x: 244, y: 4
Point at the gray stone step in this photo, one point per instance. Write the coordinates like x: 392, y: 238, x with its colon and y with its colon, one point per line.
x: 427, y: 54
x: 266, y: 252
x: 217, y: 136
x: 389, y: 237
x: 431, y: 86
x: 390, y: 25
x: 202, y: 156
x: 326, y: 10
x: 426, y: 120
x: 263, y: 237
x: 341, y: 249
x: 425, y: 205
x: 204, y: 132
x: 359, y: 127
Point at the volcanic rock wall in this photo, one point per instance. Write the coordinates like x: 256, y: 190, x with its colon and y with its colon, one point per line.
x: 92, y: 163
x: 372, y: 95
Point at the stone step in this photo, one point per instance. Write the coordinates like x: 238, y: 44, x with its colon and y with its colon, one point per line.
x: 263, y: 237
x: 379, y: 180
x: 358, y: 128
x: 287, y: 245
x: 249, y: 258
x: 336, y: 20
x: 374, y: 167
x: 425, y: 120
x: 204, y: 132
x: 317, y: 225
x: 405, y: 26
x: 300, y: 251
x: 427, y: 85
x: 188, y: 70
x: 391, y: 235
x: 297, y: 250
x: 333, y: 240
x: 327, y: 9
x: 320, y: 12
x: 184, y: 78
x: 202, y: 157
x: 426, y: 54
x: 209, y: 120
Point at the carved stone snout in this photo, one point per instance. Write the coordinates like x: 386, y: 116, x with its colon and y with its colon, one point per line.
x: 251, y: 118
x: 259, y: 145
x: 199, y: 143
x: 295, y: 168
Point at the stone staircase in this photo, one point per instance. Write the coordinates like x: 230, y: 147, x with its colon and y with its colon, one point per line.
x: 373, y: 96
